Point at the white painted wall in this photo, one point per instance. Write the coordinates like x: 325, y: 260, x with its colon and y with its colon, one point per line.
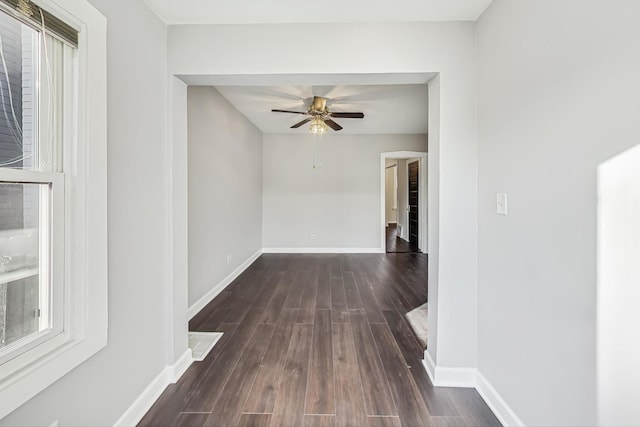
x: 99, y: 391
x: 225, y: 189
x: 256, y: 56
x: 558, y: 95
x: 390, y: 194
x: 339, y: 200
x: 618, y: 293
x: 434, y: 298
x: 178, y: 211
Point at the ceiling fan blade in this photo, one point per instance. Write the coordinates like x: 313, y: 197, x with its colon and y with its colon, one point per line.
x: 333, y: 125
x: 297, y: 125
x: 347, y: 115
x: 287, y: 111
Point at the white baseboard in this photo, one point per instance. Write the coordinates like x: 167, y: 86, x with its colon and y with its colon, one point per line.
x: 456, y: 377
x: 449, y: 377
x: 503, y: 412
x: 144, y: 402
x: 471, y: 378
x: 323, y: 251
x: 209, y: 296
x: 181, y: 366
x: 430, y: 367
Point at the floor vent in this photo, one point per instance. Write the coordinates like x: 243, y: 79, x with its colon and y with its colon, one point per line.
x: 201, y: 343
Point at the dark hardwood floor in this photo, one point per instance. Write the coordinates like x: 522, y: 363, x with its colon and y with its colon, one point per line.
x: 394, y: 243
x: 317, y: 340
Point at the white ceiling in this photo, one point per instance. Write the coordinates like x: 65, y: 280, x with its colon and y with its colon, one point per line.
x: 388, y: 109
x: 327, y: 11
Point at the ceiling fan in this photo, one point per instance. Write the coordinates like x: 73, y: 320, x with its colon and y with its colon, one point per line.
x: 320, y: 116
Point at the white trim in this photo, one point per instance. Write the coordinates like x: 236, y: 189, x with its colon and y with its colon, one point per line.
x: 471, y: 378
x: 209, y: 296
x: 145, y: 401
x: 323, y: 251
x: 169, y: 375
x: 430, y: 367
x: 496, y: 403
x: 180, y: 367
x: 456, y: 377
x: 449, y: 377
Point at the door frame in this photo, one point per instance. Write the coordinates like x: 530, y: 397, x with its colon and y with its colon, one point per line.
x: 395, y: 181
x: 423, y: 208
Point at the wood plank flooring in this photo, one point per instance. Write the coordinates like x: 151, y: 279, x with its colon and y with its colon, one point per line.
x: 317, y: 340
x: 394, y: 243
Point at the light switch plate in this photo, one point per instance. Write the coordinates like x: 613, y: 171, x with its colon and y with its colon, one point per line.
x: 501, y: 203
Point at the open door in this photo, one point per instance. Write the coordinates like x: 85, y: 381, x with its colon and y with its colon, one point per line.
x: 414, y: 198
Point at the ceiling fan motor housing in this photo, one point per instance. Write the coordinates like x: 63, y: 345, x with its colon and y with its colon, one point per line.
x: 319, y: 105
x: 321, y: 117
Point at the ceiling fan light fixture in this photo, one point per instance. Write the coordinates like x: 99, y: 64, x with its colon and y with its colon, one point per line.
x: 319, y: 115
x: 318, y: 126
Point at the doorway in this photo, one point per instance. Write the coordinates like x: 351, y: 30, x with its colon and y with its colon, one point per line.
x: 393, y: 231
x: 394, y: 241
x: 404, y: 202
x: 178, y: 178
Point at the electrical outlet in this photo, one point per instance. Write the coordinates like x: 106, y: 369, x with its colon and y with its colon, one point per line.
x: 228, y: 259
x: 501, y: 203
x: 314, y: 237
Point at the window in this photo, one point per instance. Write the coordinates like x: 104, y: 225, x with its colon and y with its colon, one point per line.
x: 31, y: 185
x: 53, y: 312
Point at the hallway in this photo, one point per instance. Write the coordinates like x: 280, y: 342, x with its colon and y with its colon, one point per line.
x: 317, y: 340
x: 394, y: 244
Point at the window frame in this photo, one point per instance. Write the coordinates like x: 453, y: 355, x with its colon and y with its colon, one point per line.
x: 83, y: 187
x: 47, y: 162
x: 51, y: 266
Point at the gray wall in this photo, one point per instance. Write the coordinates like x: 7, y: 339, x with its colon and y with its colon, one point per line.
x: 99, y: 391
x: 558, y: 95
x: 225, y: 189
x: 339, y: 200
